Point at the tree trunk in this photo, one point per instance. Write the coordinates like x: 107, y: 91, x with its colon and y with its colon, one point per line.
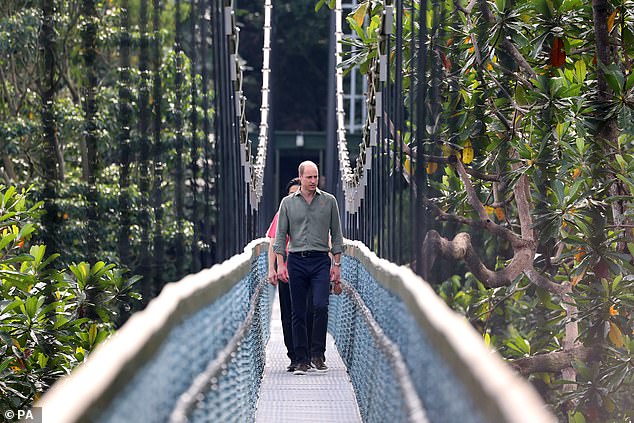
x: 85, y: 167
x: 608, y: 132
x: 47, y: 93
x: 9, y: 169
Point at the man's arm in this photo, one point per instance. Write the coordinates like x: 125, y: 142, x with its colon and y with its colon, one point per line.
x: 282, y: 272
x: 335, y: 230
x: 335, y: 269
x: 336, y: 238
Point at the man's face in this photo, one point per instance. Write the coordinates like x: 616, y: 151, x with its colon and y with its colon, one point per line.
x: 309, y: 178
x: 293, y: 189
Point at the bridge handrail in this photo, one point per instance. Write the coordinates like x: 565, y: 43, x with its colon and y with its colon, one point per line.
x: 415, y: 410
x: 187, y: 401
x: 94, y: 385
x: 501, y: 394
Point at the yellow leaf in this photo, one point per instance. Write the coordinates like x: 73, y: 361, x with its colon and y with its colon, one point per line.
x: 489, y: 209
x: 576, y: 173
x: 359, y: 14
x: 468, y: 41
x: 611, y: 19
x: 467, y: 152
x: 431, y: 167
x: 407, y: 165
x: 615, y: 335
x: 499, y: 213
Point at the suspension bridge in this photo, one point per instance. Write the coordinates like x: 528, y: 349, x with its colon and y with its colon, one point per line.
x: 207, y: 348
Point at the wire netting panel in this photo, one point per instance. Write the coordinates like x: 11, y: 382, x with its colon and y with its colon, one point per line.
x: 378, y: 394
x: 190, y: 347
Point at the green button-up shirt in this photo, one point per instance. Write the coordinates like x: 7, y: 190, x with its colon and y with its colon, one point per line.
x: 308, y: 225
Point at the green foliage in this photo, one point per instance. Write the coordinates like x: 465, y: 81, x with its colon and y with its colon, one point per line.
x: 550, y: 128
x: 50, y: 319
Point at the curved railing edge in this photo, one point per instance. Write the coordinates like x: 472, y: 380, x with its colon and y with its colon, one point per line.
x: 92, y: 386
x: 503, y: 394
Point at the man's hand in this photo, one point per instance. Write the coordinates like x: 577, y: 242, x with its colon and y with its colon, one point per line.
x: 282, y: 272
x: 272, y: 277
x: 335, y: 273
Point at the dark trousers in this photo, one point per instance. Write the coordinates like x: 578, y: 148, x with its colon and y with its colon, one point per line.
x: 309, y: 277
x: 284, y: 293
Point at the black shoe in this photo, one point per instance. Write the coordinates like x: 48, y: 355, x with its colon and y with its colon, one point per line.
x: 319, y: 365
x: 301, y: 369
x: 291, y: 367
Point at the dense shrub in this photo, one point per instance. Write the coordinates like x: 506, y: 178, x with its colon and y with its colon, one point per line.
x: 50, y: 319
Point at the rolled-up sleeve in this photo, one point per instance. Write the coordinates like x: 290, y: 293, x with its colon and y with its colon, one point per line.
x: 279, y: 246
x: 335, y: 229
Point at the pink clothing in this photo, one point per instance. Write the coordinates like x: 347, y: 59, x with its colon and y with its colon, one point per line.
x: 273, y: 228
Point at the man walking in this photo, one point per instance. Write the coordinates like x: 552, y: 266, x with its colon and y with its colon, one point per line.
x: 309, y: 217
x: 284, y: 291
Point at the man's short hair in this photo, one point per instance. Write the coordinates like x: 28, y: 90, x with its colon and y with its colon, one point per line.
x: 303, y: 165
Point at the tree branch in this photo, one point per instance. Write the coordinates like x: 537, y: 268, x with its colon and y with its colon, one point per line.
x: 554, y: 361
x: 6, y: 95
x: 506, y: 44
x: 501, y: 231
x: 543, y: 282
x: 522, y: 194
x: 466, y: 10
x: 460, y: 248
x: 471, y: 193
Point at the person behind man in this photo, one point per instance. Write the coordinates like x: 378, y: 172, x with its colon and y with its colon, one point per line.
x: 284, y: 291
x: 309, y: 217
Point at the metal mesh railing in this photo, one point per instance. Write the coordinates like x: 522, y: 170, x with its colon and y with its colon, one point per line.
x: 412, y: 359
x: 227, y: 389
x: 214, y: 324
x: 364, y: 344
x: 380, y: 393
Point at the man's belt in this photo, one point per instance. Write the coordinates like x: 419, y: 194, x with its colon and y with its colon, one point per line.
x: 309, y: 253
